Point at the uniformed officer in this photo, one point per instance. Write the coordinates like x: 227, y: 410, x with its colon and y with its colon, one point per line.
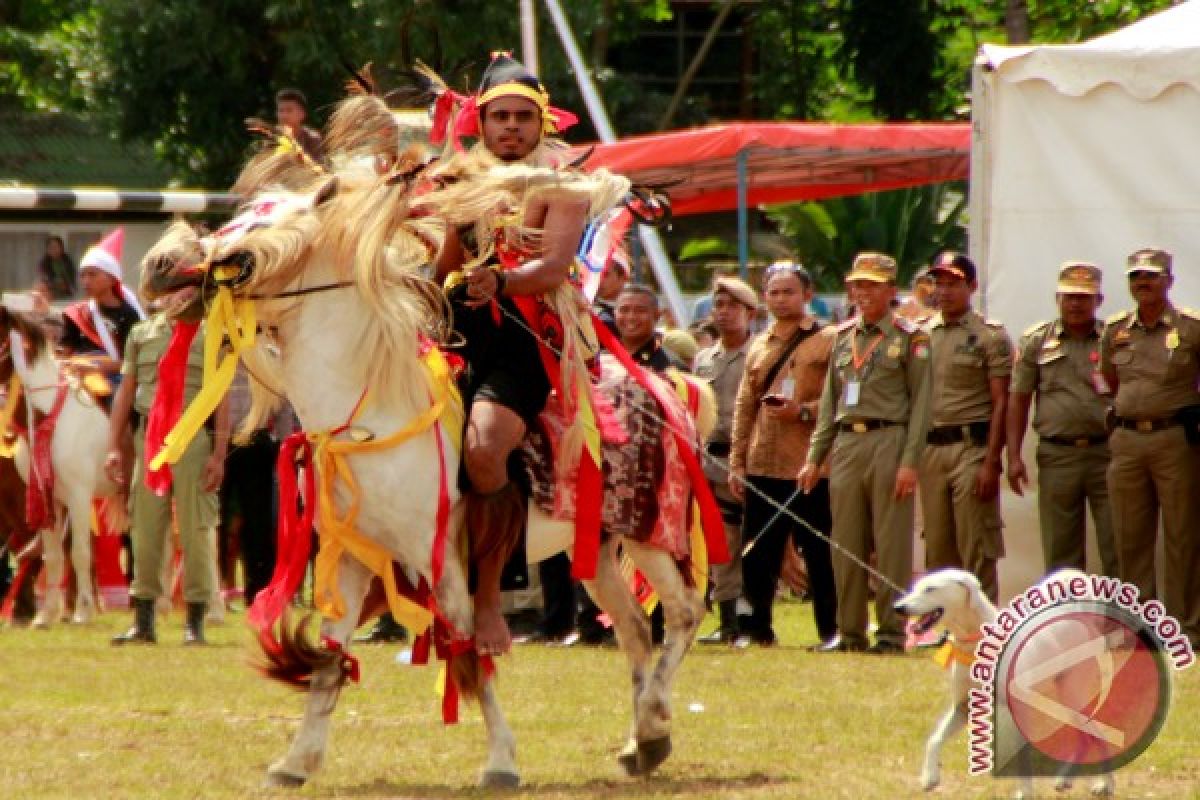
x: 195, y: 480
x: 961, y: 466
x: 734, y: 304
x: 873, y: 417
x: 1150, y: 356
x: 1059, y: 361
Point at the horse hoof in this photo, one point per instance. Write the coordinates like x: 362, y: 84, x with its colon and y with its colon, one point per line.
x: 652, y: 753
x: 496, y: 779
x: 645, y: 757
x: 277, y: 779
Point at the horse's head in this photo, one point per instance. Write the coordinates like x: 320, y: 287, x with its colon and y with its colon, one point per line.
x: 31, y: 337
x: 174, y: 271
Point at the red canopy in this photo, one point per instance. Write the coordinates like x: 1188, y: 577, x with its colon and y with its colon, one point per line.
x: 788, y: 161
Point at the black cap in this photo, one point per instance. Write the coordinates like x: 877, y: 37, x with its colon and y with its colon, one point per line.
x: 506, y: 69
x: 955, y: 264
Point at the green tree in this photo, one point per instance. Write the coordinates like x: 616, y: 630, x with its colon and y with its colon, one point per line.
x: 912, y: 225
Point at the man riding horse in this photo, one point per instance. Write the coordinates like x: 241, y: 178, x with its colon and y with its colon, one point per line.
x: 507, y: 384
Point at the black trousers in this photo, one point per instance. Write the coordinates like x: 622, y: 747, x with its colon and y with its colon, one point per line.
x: 558, y: 596
x: 761, y: 566
x: 249, y: 488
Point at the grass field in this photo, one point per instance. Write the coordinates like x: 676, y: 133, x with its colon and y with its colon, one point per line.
x: 81, y: 719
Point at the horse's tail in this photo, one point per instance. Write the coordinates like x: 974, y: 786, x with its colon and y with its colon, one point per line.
x: 468, y: 673
x: 293, y: 658
x: 115, y: 512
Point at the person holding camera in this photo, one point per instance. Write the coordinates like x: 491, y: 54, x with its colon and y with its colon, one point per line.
x: 773, y: 420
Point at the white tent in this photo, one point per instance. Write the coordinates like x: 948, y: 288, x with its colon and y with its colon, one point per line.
x: 1089, y: 152
x: 1086, y: 151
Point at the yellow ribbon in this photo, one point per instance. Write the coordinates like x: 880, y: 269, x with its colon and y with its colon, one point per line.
x: 952, y: 652
x: 339, y: 534
x: 6, y: 416
x: 229, y: 318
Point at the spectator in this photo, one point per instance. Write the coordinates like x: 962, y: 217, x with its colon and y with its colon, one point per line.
x: 637, y: 314
x: 56, y: 271
x: 960, y: 467
x: 774, y: 418
x: 705, y: 334
x: 680, y: 344
x: 1150, y: 357
x: 616, y: 275
x: 874, y: 415
x: 722, y: 366
x: 193, y: 493
x: 291, y: 112
x: 1059, y: 362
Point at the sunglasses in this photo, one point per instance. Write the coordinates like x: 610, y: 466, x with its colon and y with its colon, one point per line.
x: 1143, y: 273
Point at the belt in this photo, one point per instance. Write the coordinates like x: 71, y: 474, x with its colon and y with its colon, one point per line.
x: 864, y: 425
x: 1076, y: 441
x: 718, y: 449
x: 1146, y: 425
x: 974, y: 432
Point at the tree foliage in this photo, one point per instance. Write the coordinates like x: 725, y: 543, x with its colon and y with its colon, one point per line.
x: 181, y: 74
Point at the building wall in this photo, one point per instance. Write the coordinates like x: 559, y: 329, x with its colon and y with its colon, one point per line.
x: 23, y: 243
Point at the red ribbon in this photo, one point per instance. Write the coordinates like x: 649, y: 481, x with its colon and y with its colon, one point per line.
x: 39, y: 491
x: 168, y: 402
x: 348, y: 663
x: 293, y: 535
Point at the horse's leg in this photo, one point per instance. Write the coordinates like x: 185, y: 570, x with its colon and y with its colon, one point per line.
x: 55, y: 560
x: 79, y: 510
x: 683, y: 609
x: 307, y: 752
x: 632, y: 629
x: 500, y: 771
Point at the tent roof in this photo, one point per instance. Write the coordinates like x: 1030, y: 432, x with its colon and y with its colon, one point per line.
x: 1145, y: 58
x: 787, y: 161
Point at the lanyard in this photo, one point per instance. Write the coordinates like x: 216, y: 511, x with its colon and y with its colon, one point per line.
x: 859, y: 361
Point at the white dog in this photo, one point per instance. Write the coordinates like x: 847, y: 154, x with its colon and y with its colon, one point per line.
x: 954, y: 598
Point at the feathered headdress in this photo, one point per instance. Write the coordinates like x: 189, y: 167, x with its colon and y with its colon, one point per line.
x: 456, y: 115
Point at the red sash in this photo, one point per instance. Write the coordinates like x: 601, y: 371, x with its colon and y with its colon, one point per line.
x: 81, y: 315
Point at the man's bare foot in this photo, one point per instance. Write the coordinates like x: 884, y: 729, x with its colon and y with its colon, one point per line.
x: 491, y: 631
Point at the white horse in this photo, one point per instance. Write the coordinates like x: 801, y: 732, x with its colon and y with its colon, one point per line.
x: 78, y: 447
x: 344, y: 303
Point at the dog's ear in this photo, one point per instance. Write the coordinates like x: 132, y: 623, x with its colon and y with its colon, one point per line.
x: 974, y: 590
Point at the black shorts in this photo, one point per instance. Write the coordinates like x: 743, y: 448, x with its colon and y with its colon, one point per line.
x: 504, y: 364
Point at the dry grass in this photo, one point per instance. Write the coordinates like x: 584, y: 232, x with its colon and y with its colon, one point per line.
x: 81, y: 719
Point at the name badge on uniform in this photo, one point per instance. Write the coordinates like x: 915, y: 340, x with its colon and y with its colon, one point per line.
x: 1172, y: 340
x: 852, y: 390
x: 895, y: 349
x: 788, y: 388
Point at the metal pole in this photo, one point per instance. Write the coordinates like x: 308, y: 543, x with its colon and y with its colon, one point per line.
x: 529, y: 48
x: 595, y: 105
x: 743, y: 214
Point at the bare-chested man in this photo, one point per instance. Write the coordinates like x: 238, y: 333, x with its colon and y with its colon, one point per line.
x: 506, y: 384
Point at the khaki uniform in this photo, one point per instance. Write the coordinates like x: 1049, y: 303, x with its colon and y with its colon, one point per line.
x: 195, y: 509
x: 870, y: 439
x: 723, y: 370
x: 1154, y: 469
x: 1072, y: 452
x: 961, y: 530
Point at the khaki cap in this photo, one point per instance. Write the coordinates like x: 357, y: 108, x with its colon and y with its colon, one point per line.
x: 1149, y: 259
x: 681, y: 344
x: 738, y: 289
x: 875, y: 267
x: 1079, y: 277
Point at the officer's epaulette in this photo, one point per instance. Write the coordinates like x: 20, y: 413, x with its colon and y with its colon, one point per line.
x: 1036, y: 328
x: 904, y: 324
x: 994, y: 323
x: 846, y: 325
x: 1190, y: 313
x: 1119, y: 317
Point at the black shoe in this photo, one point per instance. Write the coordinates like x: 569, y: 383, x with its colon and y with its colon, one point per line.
x: 839, y: 645
x: 142, y: 631
x: 718, y: 636
x: 886, y: 647
x: 193, y: 629
x: 746, y: 640
x: 385, y: 631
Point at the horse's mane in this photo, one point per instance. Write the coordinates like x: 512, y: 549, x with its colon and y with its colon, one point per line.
x: 357, y: 215
x: 31, y: 331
